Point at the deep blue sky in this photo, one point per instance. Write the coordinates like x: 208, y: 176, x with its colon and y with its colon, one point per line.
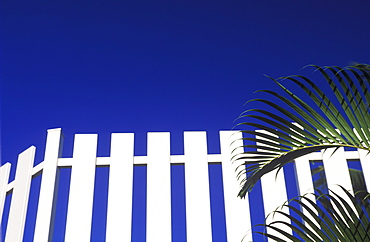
x: 139, y: 66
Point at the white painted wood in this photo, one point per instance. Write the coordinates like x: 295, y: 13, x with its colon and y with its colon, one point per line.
x: 365, y: 165
x: 103, y: 161
x: 303, y: 177
x: 49, y: 187
x: 352, y: 155
x: 336, y: 171
x: 38, y: 168
x: 177, y: 159
x: 237, y: 214
x: 10, y: 186
x: 119, y: 211
x: 4, y: 178
x: 303, y: 172
x: 81, y: 195
x: 142, y: 160
x: 121, y: 161
x: 214, y: 158
x: 21, y: 191
x: 274, y: 195
x: 198, y: 211
x: 158, y: 227
x: 65, y: 162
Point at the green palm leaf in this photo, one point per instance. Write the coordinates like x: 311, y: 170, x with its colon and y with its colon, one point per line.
x: 299, y: 125
x: 349, y: 221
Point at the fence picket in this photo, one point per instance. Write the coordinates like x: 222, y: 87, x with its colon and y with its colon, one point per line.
x: 235, y: 208
x: 81, y: 194
x: 158, y: 161
x: 158, y: 188
x: 274, y: 195
x: 365, y: 165
x: 49, y: 186
x: 198, y: 210
x: 21, y: 191
x: 119, y: 211
x: 334, y: 164
x: 4, y: 177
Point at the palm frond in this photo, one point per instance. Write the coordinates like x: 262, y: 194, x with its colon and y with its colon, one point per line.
x: 341, y: 221
x: 314, y: 121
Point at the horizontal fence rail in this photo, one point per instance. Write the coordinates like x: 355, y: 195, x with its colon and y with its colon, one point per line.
x: 158, y: 163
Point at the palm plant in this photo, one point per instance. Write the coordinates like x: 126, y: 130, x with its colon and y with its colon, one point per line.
x: 296, y: 128
x: 337, y: 117
x: 350, y: 221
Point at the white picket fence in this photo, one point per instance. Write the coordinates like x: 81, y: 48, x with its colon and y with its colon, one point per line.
x: 158, y: 211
